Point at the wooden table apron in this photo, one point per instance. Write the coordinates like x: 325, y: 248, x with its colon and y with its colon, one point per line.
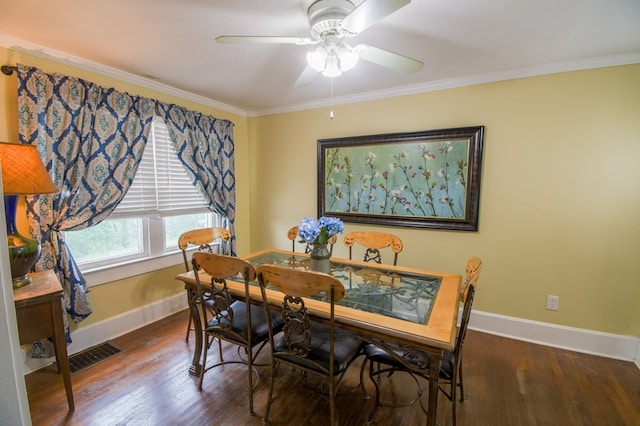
x: 431, y: 338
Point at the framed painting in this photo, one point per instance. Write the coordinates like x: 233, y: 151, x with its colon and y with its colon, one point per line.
x: 426, y: 179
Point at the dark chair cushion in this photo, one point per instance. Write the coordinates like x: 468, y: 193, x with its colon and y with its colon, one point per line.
x: 259, y: 327
x: 346, y: 346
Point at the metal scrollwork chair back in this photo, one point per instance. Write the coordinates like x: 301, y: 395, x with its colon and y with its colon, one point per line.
x: 373, y: 242
x: 304, y: 344
x: 225, y: 318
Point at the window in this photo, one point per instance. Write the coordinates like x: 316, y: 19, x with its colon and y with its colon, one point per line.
x: 161, y: 204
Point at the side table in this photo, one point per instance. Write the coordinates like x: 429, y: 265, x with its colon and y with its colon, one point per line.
x: 39, y: 314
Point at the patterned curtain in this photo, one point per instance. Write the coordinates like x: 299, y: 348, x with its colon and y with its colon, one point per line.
x: 205, y: 147
x: 91, y: 140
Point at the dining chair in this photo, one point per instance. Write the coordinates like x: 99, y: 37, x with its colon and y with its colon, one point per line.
x: 209, y: 240
x: 373, y: 242
x: 234, y: 321
x: 319, y: 348
x: 292, y: 234
x: 384, y: 362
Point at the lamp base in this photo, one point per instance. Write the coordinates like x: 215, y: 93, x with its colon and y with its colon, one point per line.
x: 23, y: 251
x: 20, y: 281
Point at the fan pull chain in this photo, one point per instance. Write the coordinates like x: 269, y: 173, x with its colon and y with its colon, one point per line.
x: 331, y: 111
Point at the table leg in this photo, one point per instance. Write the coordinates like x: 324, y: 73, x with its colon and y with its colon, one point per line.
x: 195, y: 367
x: 60, y: 343
x: 434, y: 373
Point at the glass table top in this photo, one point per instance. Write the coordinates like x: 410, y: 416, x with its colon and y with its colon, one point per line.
x: 377, y: 288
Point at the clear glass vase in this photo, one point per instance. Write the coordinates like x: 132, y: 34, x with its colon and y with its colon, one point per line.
x: 319, y: 258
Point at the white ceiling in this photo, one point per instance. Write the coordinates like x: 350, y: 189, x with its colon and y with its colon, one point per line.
x: 171, y: 42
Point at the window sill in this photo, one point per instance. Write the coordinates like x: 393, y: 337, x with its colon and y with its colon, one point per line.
x: 124, y: 270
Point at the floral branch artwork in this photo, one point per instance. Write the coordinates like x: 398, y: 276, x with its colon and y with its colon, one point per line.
x: 424, y: 179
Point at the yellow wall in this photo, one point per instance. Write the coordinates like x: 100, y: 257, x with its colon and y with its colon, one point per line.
x: 559, y: 201
x: 109, y: 300
x: 559, y: 198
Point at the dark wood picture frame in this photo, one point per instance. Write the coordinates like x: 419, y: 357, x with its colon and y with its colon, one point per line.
x: 425, y: 179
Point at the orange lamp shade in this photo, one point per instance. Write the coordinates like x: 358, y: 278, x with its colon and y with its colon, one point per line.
x: 22, y: 171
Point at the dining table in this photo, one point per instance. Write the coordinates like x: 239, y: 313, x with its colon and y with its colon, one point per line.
x: 394, y: 307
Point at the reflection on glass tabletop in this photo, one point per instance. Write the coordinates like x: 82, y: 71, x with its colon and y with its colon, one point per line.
x: 377, y: 288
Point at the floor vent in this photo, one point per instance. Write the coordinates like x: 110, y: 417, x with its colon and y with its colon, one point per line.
x: 92, y: 356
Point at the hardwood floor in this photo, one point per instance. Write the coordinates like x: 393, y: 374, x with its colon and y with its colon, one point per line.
x: 507, y: 382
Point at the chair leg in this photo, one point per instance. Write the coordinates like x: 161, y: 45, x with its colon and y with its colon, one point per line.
x: 362, y: 389
x: 454, y: 386
x: 203, y: 368
x: 270, y: 397
x: 377, y: 388
x: 332, y: 401
x: 210, y: 341
x: 186, y: 338
x: 250, y: 367
x: 461, y: 383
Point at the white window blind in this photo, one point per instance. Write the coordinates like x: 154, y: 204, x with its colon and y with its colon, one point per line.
x: 161, y: 185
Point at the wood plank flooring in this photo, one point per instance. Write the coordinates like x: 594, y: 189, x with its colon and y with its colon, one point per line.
x: 507, y: 382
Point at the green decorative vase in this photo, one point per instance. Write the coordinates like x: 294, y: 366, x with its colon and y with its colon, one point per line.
x: 23, y: 251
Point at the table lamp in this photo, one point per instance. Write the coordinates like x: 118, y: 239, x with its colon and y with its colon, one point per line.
x: 22, y: 174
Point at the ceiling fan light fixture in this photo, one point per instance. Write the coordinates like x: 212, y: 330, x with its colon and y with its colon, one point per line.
x: 332, y: 61
x: 332, y: 65
x: 318, y: 58
x: 348, y: 57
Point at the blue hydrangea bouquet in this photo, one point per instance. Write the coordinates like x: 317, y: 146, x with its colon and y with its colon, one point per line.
x: 312, y: 231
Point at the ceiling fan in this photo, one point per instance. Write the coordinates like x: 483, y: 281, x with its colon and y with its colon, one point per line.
x: 331, y: 22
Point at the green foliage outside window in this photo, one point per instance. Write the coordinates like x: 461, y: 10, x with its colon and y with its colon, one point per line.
x: 109, y: 238
x: 174, y: 226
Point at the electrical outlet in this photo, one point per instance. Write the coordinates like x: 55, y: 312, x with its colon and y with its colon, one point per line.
x: 553, y: 302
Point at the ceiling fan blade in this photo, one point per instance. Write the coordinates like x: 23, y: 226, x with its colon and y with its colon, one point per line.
x: 369, y: 12
x: 265, y: 40
x: 389, y: 59
x: 307, y: 75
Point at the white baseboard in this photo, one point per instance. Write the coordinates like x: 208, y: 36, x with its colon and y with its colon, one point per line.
x: 626, y: 348
x: 111, y: 328
x: 615, y: 346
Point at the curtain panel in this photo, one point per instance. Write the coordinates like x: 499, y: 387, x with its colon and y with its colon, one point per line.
x: 205, y: 147
x: 91, y: 140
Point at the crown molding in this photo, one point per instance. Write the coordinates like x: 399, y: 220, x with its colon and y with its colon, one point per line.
x: 470, y: 80
x: 83, y: 64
